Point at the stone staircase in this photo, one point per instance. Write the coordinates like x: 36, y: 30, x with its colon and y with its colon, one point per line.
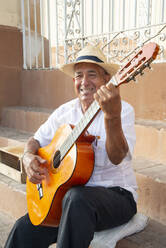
x: 150, y: 167
x: 18, y: 124
x: 26, y: 99
x: 24, y: 118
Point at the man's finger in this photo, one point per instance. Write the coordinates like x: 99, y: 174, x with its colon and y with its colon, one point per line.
x: 41, y: 160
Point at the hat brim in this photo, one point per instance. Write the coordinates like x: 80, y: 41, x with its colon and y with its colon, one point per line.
x: 108, y: 67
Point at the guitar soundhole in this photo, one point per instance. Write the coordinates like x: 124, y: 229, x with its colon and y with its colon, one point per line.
x: 57, y: 159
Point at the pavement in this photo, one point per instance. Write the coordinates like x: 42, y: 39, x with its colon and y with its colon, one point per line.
x: 154, y: 236
x: 6, y: 223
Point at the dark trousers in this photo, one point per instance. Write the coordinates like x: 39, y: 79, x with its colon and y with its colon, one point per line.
x: 85, y: 211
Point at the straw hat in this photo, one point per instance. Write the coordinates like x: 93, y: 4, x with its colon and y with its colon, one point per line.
x: 90, y: 54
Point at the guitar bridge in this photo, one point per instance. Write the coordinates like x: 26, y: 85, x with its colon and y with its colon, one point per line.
x: 40, y: 189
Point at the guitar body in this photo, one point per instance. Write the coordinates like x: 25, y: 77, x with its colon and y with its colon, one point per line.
x: 75, y: 169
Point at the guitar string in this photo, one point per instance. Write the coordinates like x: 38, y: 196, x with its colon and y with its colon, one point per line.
x: 76, y: 132
x: 70, y: 140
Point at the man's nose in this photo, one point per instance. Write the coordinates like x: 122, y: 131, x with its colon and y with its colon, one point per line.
x: 85, y: 80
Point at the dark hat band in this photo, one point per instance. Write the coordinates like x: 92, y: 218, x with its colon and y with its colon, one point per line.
x: 93, y: 58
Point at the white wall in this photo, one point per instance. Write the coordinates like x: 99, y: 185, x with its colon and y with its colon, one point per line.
x: 10, y: 13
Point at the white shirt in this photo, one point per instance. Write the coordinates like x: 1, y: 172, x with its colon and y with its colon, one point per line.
x: 105, y: 173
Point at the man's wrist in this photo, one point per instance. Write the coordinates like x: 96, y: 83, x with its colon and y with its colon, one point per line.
x: 112, y: 118
x: 26, y: 152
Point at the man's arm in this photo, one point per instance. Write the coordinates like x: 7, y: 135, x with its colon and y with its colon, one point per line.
x: 116, y: 144
x: 109, y: 100
x: 32, y: 162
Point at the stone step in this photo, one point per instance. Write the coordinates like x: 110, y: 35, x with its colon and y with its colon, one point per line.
x: 151, y: 178
x: 151, y: 202
x: 12, y: 137
x: 153, y: 236
x: 151, y: 174
x: 6, y: 223
x: 13, y: 197
x: 151, y: 140
x: 153, y: 147
x: 24, y: 118
x: 12, y: 144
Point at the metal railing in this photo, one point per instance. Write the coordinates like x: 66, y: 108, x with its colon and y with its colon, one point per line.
x: 55, y: 30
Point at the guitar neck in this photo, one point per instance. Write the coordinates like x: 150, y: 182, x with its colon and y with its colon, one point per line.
x: 82, y: 125
x: 86, y: 119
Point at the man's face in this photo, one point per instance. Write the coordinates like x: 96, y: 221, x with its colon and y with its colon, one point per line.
x: 88, y: 79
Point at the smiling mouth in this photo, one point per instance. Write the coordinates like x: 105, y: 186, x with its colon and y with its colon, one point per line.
x: 87, y: 91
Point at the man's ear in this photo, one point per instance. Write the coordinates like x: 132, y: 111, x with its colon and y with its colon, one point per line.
x: 74, y: 80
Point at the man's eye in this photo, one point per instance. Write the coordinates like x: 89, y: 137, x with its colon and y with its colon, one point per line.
x: 78, y: 76
x: 92, y: 75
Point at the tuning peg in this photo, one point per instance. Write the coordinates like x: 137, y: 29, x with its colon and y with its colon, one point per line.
x: 134, y: 79
x: 131, y: 78
x: 148, y: 65
x: 150, y: 68
x: 140, y: 72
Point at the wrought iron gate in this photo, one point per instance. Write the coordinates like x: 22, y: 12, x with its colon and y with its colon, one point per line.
x: 55, y: 30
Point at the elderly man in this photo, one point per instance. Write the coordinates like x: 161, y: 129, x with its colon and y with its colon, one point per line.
x: 108, y: 199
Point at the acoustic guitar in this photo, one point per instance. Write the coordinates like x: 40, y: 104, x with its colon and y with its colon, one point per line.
x: 70, y: 157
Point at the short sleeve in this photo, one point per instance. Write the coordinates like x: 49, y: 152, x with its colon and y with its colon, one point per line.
x: 47, y: 130
x: 128, y: 125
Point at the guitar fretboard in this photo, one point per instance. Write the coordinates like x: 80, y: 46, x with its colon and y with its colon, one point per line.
x: 79, y: 129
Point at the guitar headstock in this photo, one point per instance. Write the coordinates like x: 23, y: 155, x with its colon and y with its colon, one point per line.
x: 137, y: 63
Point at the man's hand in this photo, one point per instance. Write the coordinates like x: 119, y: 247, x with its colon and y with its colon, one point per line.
x: 109, y: 100
x: 33, y: 167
